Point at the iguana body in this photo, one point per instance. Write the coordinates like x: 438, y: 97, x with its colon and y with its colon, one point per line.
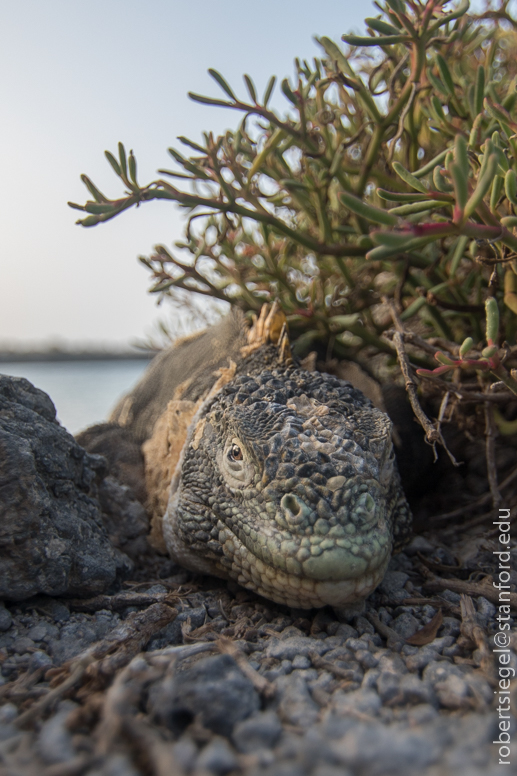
x: 260, y: 471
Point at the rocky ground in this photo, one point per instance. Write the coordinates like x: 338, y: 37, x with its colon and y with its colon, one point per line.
x: 172, y: 673
x: 186, y: 676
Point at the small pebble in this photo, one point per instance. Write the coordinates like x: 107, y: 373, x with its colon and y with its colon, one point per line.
x: 39, y: 660
x: 260, y: 731
x: 8, y: 713
x: 393, y: 581
x: 346, y: 631
x: 300, y: 661
x: 217, y: 757
x: 5, y: 618
x: 365, y: 701
x: 23, y: 644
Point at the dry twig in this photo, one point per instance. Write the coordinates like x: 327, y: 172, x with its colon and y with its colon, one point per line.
x: 120, y: 601
x: 432, y: 434
x: 340, y: 673
x: 471, y: 630
x: 392, y: 637
x: 475, y: 589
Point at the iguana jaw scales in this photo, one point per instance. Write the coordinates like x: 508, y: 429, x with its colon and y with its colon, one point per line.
x: 252, y: 572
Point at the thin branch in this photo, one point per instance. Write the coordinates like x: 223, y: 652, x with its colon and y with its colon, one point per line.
x: 400, y: 130
x: 432, y: 434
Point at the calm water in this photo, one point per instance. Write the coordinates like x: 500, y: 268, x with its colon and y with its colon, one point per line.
x: 83, y: 392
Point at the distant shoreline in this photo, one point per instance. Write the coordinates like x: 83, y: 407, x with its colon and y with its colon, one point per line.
x: 11, y: 357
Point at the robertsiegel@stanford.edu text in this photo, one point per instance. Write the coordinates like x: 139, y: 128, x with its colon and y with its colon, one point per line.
x: 502, y: 638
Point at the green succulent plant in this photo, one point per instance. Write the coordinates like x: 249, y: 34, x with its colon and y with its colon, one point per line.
x: 387, y: 193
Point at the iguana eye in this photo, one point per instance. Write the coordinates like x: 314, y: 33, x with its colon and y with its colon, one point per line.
x: 235, y: 464
x: 235, y: 453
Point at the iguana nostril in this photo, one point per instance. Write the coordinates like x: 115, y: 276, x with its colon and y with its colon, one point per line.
x: 293, y: 507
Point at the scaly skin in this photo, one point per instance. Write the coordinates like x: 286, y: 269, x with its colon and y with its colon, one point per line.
x: 310, y: 511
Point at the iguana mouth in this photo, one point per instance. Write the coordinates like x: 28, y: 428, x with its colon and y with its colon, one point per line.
x: 336, y: 577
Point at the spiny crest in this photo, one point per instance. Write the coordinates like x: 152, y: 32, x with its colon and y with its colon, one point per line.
x: 270, y: 328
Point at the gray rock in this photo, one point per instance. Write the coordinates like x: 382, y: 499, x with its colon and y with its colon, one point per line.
x: 419, y: 544
x: 300, y: 661
x: 290, y: 632
x: 413, y: 690
x: 421, y: 659
x: 55, y: 610
x: 392, y: 662
x: 486, y: 609
x: 451, y: 651
x: 7, y: 731
x: 479, y: 687
x: 261, y: 731
x: 370, y: 679
x: 290, y: 648
x: 364, y: 626
x: 43, y: 631
x: 405, y: 624
x: 5, y: 617
x: 346, y: 631
x: 155, y: 590
x: 375, y: 749
x: 124, y: 517
x: 422, y: 714
x: 185, y: 753
x: 213, y: 689
x: 39, y: 660
x: 217, y: 756
x: 8, y: 713
x: 75, y: 637
x: 450, y: 627
x: 393, y: 581
x: 439, y: 670
x: 325, y: 769
x: 441, y: 642
x: 473, y: 748
x: 285, y: 769
x: 388, y: 686
x: 383, y: 615
x: 307, y: 674
x: 354, y: 645
x: 23, y: 644
x: 55, y: 740
x: 272, y: 674
x: 115, y: 765
x: 340, y: 653
x: 296, y: 706
x: 452, y: 692
x: 365, y: 701
x: 450, y: 596
x: 53, y: 540
x: 365, y: 658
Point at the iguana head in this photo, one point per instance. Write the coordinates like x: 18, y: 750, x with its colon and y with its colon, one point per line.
x: 287, y: 484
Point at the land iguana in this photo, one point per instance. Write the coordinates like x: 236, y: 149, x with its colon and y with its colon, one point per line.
x: 263, y: 472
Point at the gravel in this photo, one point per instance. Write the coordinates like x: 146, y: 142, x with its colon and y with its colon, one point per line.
x: 340, y: 701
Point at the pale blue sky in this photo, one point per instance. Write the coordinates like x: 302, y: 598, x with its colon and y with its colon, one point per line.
x: 75, y: 79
